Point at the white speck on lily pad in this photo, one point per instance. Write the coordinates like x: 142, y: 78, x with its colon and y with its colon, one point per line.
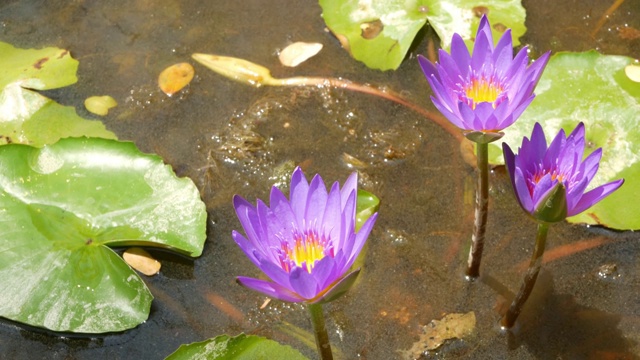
x: 633, y: 72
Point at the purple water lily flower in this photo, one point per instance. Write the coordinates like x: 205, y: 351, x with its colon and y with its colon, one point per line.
x: 550, y: 182
x: 487, y: 91
x: 306, y: 244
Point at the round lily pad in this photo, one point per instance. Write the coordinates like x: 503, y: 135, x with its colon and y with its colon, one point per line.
x: 61, y: 206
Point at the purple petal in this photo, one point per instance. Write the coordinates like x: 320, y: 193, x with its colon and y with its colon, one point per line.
x: 348, y: 222
x: 272, y: 231
x: 268, y: 288
x: 592, y: 163
x: 542, y: 189
x: 298, y: 194
x: 483, y: 111
x: 468, y: 118
x: 427, y: 67
x: 592, y: 197
x: 481, y: 51
x: 275, y: 272
x: 484, y: 31
x: 248, y: 219
x: 324, y: 272
x: 246, y: 246
x: 455, y: 118
x: 348, y: 187
x: 538, y: 66
x: 282, y: 210
x: 503, y: 53
x: 360, y: 239
x: 338, y: 289
x: 538, y: 145
x: 303, y: 283
x: 331, y: 220
x: 316, y: 202
x: 522, y: 192
x: 460, y: 54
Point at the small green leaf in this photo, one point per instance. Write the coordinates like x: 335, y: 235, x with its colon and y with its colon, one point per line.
x: 594, y: 89
x: 241, y: 347
x: 27, y: 117
x: 379, y: 33
x: 366, y: 205
x: 61, y: 205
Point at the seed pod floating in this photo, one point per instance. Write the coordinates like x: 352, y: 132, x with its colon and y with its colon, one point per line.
x: 175, y: 77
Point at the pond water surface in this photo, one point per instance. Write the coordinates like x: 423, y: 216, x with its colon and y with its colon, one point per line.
x: 230, y: 138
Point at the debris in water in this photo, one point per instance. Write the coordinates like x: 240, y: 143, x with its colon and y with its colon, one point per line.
x: 142, y: 261
x: 452, y: 326
x: 100, y: 105
x: 175, y: 77
x: 298, y: 52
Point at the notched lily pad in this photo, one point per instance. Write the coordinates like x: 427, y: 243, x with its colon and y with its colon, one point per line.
x: 594, y: 89
x: 61, y: 206
x: 463, y: 17
x: 379, y: 33
x: 27, y: 117
x: 241, y: 347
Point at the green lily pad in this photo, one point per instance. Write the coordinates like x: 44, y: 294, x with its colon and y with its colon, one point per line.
x: 463, y: 17
x: 241, y: 347
x: 594, y: 89
x: 28, y: 117
x: 379, y: 33
x: 61, y: 206
x: 366, y: 205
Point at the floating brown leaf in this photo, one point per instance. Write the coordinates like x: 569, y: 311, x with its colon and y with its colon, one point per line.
x: 142, y: 261
x: 175, y: 77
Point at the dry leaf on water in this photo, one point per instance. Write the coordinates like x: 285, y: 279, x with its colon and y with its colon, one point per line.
x: 175, y: 77
x: 298, y: 52
x: 452, y: 326
x: 142, y: 261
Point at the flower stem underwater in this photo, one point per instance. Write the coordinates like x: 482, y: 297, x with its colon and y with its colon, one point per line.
x: 529, y: 279
x: 320, y: 331
x: 481, y: 210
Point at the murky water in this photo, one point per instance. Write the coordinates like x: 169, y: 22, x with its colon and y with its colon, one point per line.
x: 230, y: 138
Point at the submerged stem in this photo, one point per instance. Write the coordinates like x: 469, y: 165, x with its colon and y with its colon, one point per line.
x: 481, y: 210
x: 256, y: 75
x: 320, y: 331
x: 529, y: 279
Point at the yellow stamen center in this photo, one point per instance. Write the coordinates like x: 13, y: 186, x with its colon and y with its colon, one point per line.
x: 307, y: 250
x: 483, y: 90
x: 554, y: 176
